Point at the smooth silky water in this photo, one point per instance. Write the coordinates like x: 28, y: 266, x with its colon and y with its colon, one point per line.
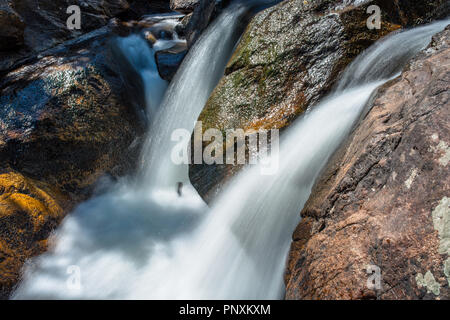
x: 141, y: 240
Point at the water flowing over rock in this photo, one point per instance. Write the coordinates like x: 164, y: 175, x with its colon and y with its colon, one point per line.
x: 67, y: 121
x: 87, y: 124
x: 289, y: 58
x: 63, y: 125
x: 30, y: 27
x: 197, y: 21
x: 383, y: 199
x: 45, y: 24
x: 137, y: 217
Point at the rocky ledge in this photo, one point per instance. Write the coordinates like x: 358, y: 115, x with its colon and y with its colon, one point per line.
x: 384, y: 199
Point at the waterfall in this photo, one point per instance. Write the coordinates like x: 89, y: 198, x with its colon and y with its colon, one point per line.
x: 141, y: 240
x: 199, y: 74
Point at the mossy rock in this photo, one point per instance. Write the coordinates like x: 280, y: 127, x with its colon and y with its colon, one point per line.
x: 290, y: 57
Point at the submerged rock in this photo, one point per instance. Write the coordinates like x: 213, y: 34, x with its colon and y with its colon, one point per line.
x: 383, y: 201
x: 289, y: 58
x: 169, y: 61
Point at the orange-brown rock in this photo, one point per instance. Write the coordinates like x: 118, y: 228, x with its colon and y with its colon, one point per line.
x: 384, y: 199
x: 29, y: 211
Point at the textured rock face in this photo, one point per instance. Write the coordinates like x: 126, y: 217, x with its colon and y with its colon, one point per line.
x: 384, y: 198
x: 197, y: 21
x: 46, y: 20
x: 63, y: 125
x: 184, y: 6
x: 289, y: 58
x: 46, y: 23
x: 29, y: 211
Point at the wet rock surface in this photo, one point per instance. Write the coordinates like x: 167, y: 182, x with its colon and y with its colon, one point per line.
x: 289, y: 58
x: 383, y: 200
x: 68, y: 115
x: 71, y: 112
x: 29, y: 211
x: 64, y: 123
x: 169, y: 61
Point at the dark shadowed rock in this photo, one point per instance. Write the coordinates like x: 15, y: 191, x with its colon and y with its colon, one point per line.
x: 46, y: 20
x: 384, y: 198
x: 169, y: 61
x: 45, y: 24
x: 139, y: 8
x: 289, y: 58
x: 11, y: 27
x: 66, y: 116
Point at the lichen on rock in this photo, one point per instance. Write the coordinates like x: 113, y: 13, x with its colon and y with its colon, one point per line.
x: 441, y: 221
x: 428, y: 282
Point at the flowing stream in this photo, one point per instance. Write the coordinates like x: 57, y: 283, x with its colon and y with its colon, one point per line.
x: 141, y: 240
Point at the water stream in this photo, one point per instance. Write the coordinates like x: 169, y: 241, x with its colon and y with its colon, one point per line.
x: 141, y: 240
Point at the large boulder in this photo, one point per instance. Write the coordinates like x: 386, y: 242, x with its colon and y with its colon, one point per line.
x: 29, y: 27
x: 204, y: 11
x: 288, y: 59
x: 384, y: 199
x: 64, y: 124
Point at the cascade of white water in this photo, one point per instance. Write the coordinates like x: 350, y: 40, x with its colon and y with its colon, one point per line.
x: 124, y: 229
x: 198, y: 75
x: 141, y: 57
x: 143, y: 241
